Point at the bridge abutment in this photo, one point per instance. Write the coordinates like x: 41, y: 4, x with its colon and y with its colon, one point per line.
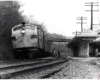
x: 81, y: 50
x: 84, y: 49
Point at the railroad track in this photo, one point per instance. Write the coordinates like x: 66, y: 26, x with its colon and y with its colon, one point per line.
x: 4, y: 64
x: 50, y: 72
x: 45, y: 72
x: 17, y: 70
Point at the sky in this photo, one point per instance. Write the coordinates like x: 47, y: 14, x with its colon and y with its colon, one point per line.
x: 60, y: 16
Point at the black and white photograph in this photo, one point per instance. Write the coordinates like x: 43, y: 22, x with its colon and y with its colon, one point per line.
x: 50, y: 39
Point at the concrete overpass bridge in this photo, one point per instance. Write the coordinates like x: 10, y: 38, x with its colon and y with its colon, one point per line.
x: 68, y: 38
x: 81, y: 44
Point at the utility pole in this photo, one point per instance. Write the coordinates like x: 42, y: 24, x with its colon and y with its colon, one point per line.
x: 92, y: 5
x: 81, y: 18
x: 76, y: 33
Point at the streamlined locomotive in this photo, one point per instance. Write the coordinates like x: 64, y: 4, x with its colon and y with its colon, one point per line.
x: 29, y: 41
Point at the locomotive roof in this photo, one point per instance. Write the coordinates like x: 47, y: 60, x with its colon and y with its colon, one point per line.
x: 37, y: 25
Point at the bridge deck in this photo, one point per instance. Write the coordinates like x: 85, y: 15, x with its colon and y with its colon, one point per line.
x: 59, y: 40
x: 87, y: 36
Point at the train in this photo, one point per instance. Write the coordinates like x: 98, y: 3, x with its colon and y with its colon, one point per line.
x: 29, y: 41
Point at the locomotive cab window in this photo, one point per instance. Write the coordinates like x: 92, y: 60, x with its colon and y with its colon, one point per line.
x: 17, y: 28
x: 30, y: 27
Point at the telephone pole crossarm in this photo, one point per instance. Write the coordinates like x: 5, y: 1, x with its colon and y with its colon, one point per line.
x: 81, y: 18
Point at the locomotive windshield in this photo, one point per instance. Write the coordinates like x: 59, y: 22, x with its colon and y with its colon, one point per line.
x: 26, y: 27
x: 30, y: 27
x: 18, y: 28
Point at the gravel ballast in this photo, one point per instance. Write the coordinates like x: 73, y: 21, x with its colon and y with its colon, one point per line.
x: 78, y: 70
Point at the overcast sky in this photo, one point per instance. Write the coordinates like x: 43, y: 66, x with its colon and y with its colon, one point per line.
x: 59, y: 16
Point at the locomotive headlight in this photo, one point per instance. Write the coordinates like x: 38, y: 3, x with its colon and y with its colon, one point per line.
x: 23, y: 31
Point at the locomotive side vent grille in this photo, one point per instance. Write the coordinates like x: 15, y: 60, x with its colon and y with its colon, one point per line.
x: 33, y: 36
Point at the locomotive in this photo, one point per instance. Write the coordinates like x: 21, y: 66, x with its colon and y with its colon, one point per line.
x: 29, y: 41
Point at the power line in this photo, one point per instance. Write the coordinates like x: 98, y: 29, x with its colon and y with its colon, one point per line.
x: 92, y: 4
x: 81, y: 18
